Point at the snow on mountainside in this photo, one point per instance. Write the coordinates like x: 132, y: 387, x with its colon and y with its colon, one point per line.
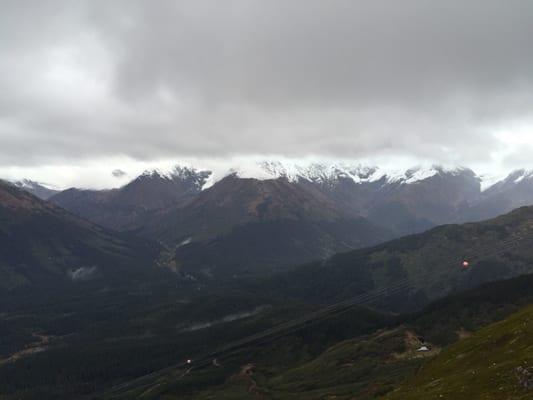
x: 196, y: 179
x: 516, y: 189
x: 178, y: 172
x: 39, y: 189
x: 129, y: 206
x: 513, y: 179
x: 329, y: 173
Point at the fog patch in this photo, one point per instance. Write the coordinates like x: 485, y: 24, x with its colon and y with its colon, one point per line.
x: 227, y: 318
x: 184, y: 243
x: 83, y: 273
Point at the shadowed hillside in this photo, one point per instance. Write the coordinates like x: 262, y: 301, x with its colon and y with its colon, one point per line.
x: 428, y: 263
x: 45, y: 246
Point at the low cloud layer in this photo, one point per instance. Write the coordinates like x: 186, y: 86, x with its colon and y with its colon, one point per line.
x: 82, y: 80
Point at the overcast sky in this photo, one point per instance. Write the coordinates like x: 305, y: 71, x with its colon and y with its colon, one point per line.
x: 87, y: 87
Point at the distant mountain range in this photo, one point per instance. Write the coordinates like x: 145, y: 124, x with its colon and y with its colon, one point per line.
x: 406, y: 201
x: 274, y: 214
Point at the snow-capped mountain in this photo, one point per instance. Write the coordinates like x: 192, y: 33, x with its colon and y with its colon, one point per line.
x: 41, y: 190
x: 406, y: 200
x: 314, y: 172
x: 329, y: 173
x: 156, y: 188
x: 513, y: 191
x: 196, y: 178
x: 127, y: 207
x: 519, y: 177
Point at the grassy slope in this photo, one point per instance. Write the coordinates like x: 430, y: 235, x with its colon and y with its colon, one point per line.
x: 430, y: 260
x: 308, y: 364
x: 479, y: 367
x: 364, y: 367
x: 320, y: 363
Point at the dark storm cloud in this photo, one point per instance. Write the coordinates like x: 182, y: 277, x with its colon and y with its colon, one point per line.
x: 85, y: 79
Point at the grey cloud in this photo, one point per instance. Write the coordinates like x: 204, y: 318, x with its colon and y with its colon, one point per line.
x: 87, y: 79
x: 118, y: 173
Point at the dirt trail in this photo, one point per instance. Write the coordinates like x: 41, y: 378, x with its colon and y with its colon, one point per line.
x: 246, y: 375
x: 42, y: 343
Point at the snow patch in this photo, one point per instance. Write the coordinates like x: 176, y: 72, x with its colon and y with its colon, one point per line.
x: 29, y: 184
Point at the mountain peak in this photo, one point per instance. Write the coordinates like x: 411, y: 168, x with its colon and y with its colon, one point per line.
x: 42, y: 190
x: 176, y: 173
x: 519, y: 175
x: 516, y: 177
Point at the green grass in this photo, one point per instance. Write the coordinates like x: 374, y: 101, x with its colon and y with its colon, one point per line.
x: 363, y: 367
x: 479, y: 367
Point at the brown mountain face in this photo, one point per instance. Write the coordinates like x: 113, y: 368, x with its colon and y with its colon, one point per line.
x: 436, y: 200
x: 246, y: 225
x: 132, y: 205
x: 234, y: 201
x: 402, y: 206
x: 43, y: 245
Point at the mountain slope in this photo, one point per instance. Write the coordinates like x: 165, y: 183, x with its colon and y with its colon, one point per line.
x: 515, y: 190
x: 359, y: 354
x: 270, y: 246
x: 132, y: 205
x: 407, y: 202
x: 404, y: 201
x: 43, y: 245
x: 434, y: 200
x: 430, y: 263
x: 37, y: 189
x: 488, y: 365
x: 235, y: 201
x: 249, y: 226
